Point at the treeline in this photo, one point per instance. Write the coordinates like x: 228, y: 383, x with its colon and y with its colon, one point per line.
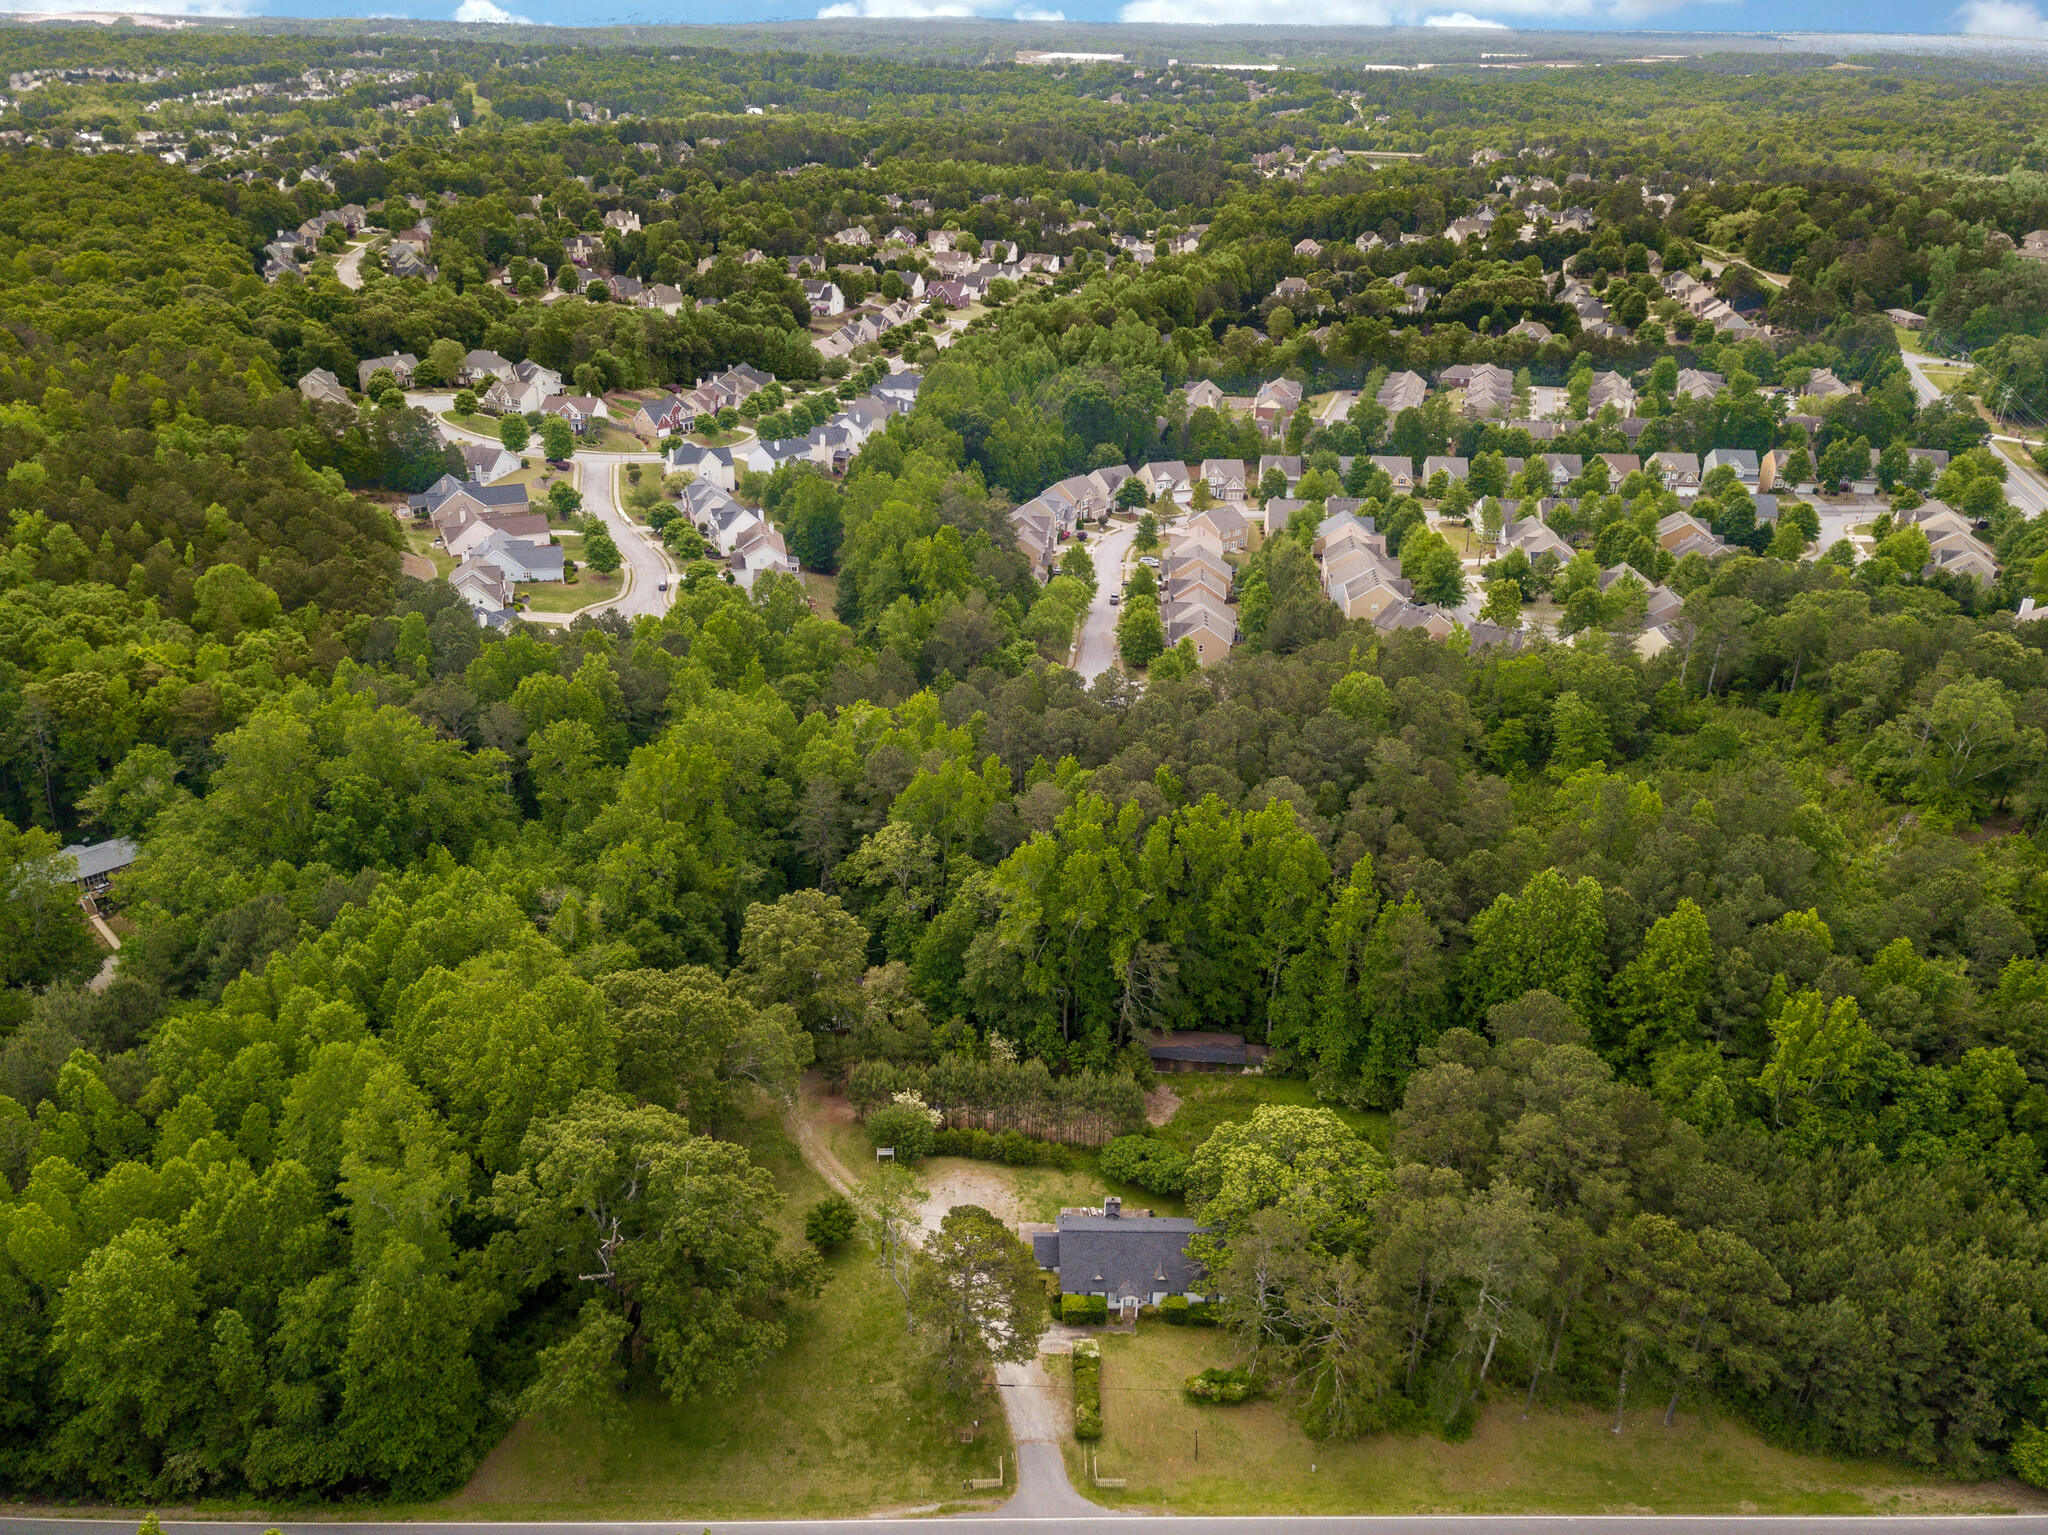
x: 1084, y: 1109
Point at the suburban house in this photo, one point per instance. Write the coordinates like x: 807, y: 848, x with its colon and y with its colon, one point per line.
x: 1402, y: 391
x: 579, y: 410
x: 1680, y: 471
x: 1288, y: 464
x: 1699, y: 383
x: 1165, y: 477
x: 1224, y: 477
x: 1533, y: 536
x: 518, y: 559
x: 93, y: 864
x: 825, y: 298
x: 663, y: 416
x: 487, y: 461
x: 483, y: 586
x: 1225, y: 521
x: 1203, y: 394
x: 1823, y: 386
x: 484, y: 367
x: 1132, y: 1260
x: 711, y: 466
x: 1456, y: 468
x: 526, y: 388
x: 449, y: 498
x: 1278, y: 399
x: 1490, y: 391
x: 465, y: 536
x: 1212, y: 631
x: 1398, y: 469
x: 1611, y: 389
x: 323, y: 385
x: 1741, y: 460
x: 400, y: 365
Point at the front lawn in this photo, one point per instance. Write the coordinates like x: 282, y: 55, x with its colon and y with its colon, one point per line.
x: 1254, y: 1458
x: 837, y: 1424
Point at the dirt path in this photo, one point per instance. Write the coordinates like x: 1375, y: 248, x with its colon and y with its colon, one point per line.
x: 1161, y: 1104
x: 827, y: 1166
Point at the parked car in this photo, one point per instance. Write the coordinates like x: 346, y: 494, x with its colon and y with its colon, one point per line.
x: 661, y: 586
x: 1116, y: 599
x: 1148, y: 561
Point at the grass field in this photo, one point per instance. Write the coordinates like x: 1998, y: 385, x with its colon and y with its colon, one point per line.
x: 420, y: 540
x: 837, y: 1423
x: 1255, y: 1458
x: 1208, y: 1100
x: 570, y: 596
x: 485, y: 426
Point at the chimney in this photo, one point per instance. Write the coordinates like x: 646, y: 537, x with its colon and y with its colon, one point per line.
x: 1112, y: 1207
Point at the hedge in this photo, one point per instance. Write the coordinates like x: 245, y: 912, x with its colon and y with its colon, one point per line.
x: 1088, y: 1388
x: 1084, y: 1310
x: 1179, y: 1311
x: 1013, y: 1148
x: 1085, y: 1109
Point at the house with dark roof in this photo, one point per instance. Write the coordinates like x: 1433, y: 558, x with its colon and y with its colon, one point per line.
x: 1132, y: 1260
x: 1189, y: 1050
x: 95, y: 863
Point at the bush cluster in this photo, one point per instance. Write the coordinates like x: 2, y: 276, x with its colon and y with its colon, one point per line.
x: 1146, y: 1161
x: 1179, y: 1311
x: 1224, y: 1386
x: 1087, y: 1387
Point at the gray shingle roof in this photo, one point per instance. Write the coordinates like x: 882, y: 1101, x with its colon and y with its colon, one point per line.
x: 1117, y: 1255
x: 94, y: 858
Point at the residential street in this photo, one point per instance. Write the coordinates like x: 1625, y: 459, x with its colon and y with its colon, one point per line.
x: 1097, y: 652
x: 348, y: 271
x: 647, y: 564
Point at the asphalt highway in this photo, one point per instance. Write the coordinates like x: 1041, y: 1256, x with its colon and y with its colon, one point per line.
x: 1107, y: 1524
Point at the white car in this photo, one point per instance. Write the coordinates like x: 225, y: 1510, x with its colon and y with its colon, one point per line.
x: 1148, y: 561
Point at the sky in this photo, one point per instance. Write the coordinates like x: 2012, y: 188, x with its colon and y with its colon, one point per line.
x: 1961, y: 19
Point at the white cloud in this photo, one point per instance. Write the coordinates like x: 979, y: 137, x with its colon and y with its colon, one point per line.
x: 484, y: 10
x: 1463, y: 19
x: 2002, y: 18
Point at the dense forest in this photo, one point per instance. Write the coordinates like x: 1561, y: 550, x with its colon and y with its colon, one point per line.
x: 1706, y: 991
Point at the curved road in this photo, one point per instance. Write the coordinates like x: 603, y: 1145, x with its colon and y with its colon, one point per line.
x: 348, y: 271
x: 597, y: 474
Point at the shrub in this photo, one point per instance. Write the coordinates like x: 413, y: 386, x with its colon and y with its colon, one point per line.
x: 1149, y: 1163
x: 830, y: 1223
x: 2030, y: 1455
x: 909, y: 1127
x: 1173, y: 1311
x: 1084, y: 1310
x: 1088, y: 1389
x: 1201, y: 1314
x: 1224, y: 1386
